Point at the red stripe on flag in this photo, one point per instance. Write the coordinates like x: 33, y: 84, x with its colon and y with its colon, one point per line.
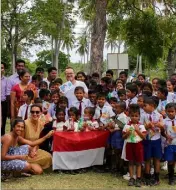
x: 77, y: 141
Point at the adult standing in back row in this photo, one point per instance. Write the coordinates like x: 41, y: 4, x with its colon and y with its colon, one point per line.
x: 68, y: 88
x: 52, y: 75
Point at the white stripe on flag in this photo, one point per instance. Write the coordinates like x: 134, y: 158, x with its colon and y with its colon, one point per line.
x: 78, y: 159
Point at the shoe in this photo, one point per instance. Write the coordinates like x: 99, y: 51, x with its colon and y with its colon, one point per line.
x: 131, y: 182
x: 164, y: 167
x: 146, y: 182
x: 171, y: 182
x: 127, y: 176
x: 138, y: 182
x: 154, y: 182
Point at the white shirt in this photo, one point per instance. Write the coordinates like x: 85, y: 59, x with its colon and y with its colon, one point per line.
x: 171, y: 97
x: 70, y: 92
x: 47, y: 81
x: 171, y: 129
x: 59, y: 126
x: 154, y: 117
x: 134, y: 137
x: 162, y: 105
x: 107, y: 113
x: 131, y: 101
x: 22, y: 111
x: 84, y: 103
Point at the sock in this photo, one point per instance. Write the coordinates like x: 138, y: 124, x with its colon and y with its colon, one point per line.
x: 171, y: 171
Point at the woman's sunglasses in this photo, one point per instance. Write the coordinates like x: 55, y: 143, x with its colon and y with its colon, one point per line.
x: 33, y: 112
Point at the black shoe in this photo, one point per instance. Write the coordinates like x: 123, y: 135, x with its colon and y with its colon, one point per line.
x: 131, y: 182
x: 154, y: 182
x: 171, y: 182
x: 138, y: 182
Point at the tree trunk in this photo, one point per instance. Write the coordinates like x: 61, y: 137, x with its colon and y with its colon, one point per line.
x: 171, y: 61
x: 98, y: 37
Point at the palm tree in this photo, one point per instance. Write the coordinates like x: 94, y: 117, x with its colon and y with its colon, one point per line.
x: 82, y: 46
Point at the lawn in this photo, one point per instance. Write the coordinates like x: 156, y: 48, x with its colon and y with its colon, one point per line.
x: 89, y: 180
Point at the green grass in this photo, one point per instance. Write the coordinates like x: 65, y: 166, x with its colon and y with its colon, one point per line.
x: 89, y: 180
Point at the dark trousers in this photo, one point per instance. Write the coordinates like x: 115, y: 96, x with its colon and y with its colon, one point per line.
x: 3, y: 116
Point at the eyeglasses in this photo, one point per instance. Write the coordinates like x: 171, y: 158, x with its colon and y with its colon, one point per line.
x: 33, y: 112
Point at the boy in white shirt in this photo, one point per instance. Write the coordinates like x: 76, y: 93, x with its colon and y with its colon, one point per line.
x: 103, y: 111
x: 131, y: 93
x: 170, y: 150
x: 24, y: 110
x: 153, y: 122
x: 81, y: 103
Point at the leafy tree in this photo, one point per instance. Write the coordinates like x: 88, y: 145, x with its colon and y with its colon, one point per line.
x: 18, y: 27
x: 56, y: 22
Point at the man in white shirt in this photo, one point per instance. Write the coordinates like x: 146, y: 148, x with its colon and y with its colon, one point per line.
x: 68, y: 88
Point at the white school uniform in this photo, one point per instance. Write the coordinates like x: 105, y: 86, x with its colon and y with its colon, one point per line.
x: 155, y: 117
x: 107, y: 113
x: 131, y: 101
x: 84, y: 104
x: 171, y: 129
x: 59, y: 126
x: 22, y: 111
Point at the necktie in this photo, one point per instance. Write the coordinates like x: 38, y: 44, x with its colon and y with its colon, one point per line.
x: 150, y: 118
x: 80, y: 108
x: 26, y: 113
x: 173, y: 123
x: 100, y: 113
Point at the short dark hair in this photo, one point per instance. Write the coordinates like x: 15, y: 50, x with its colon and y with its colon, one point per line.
x: 91, y: 110
x: 38, y: 101
x: 74, y: 110
x: 133, y: 88
x: 34, y: 77
x: 113, y: 99
x: 29, y: 93
x: 43, y: 82
x: 141, y: 75
x: 3, y: 63
x: 92, y: 92
x: 51, y: 69
x: 51, y: 84
x: 123, y: 73
x: 40, y: 69
x: 36, y: 105
x: 137, y: 82
x: 147, y: 84
x: 55, y: 92
x: 58, y: 109
x: 163, y: 91
x: 102, y: 94
x: 134, y: 108
x: 63, y: 99
x: 43, y: 93
x: 162, y: 82
x: 121, y: 92
x: 170, y: 105
x: 153, y: 100
x: 79, y: 88
x: 58, y: 80
x: 122, y: 105
x: 95, y: 75
x: 19, y: 61
x: 110, y: 72
x: 107, y: 80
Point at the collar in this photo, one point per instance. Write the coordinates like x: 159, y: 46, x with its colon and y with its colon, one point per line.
x: 168, y: 119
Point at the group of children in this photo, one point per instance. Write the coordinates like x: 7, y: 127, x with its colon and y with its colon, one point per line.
x: 140, y: 116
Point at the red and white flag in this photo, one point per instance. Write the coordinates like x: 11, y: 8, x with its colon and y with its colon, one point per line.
x: 74, y: 150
